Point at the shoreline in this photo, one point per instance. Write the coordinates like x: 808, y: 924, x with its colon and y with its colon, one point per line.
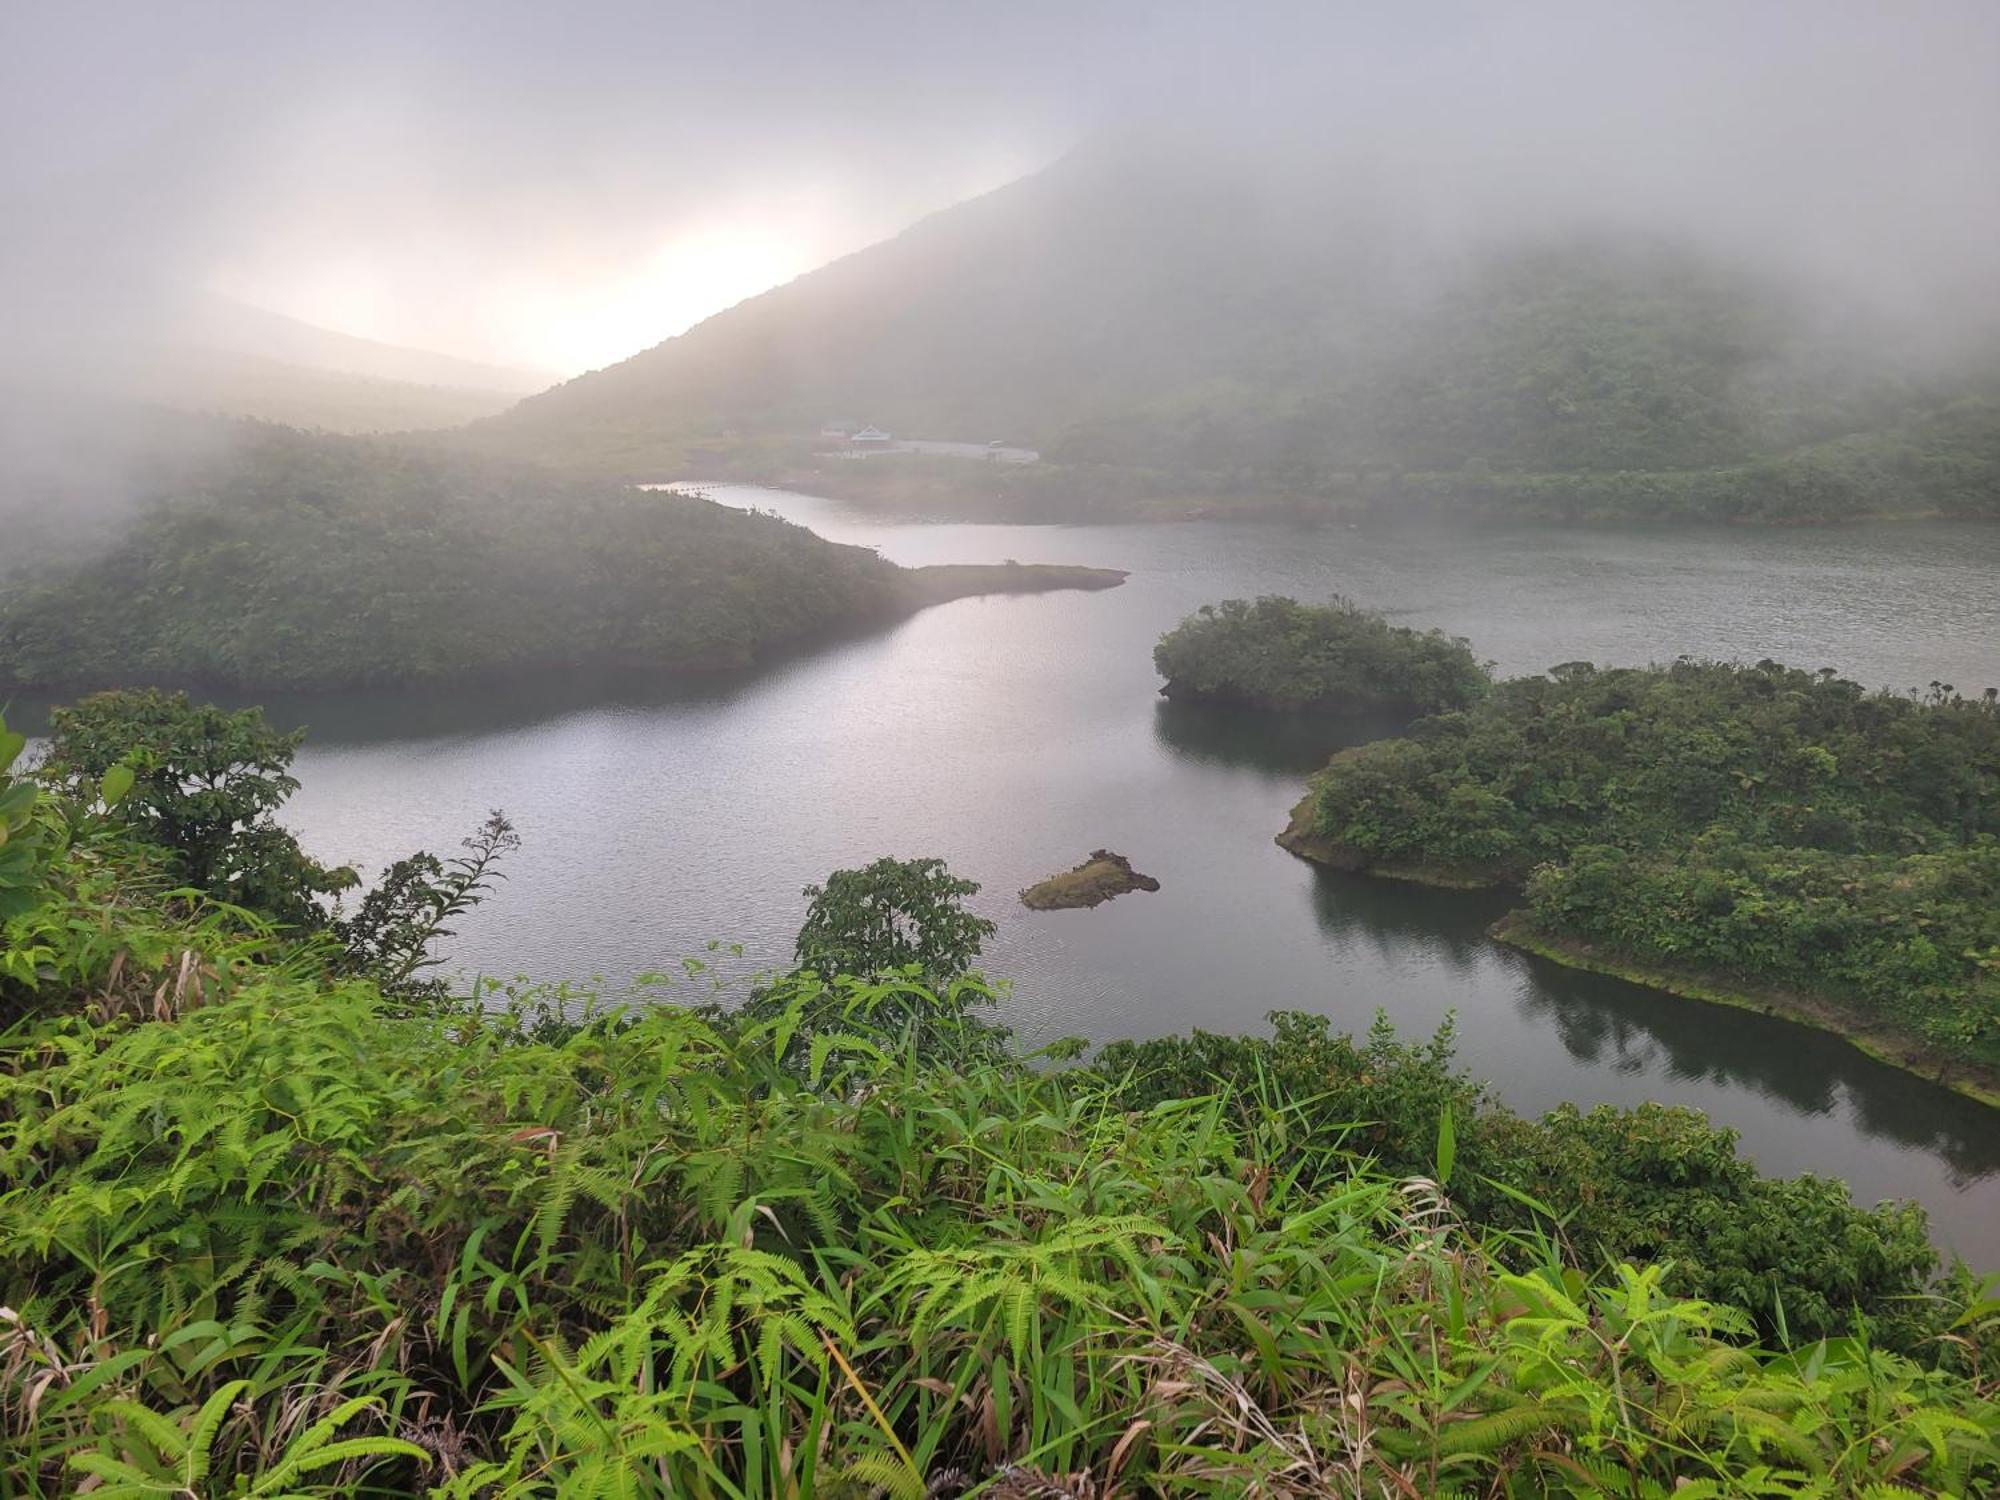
x: 1029, y: 499
x: 1517, y: 930
x: 1895, y: 1048
x: 1299, y: 839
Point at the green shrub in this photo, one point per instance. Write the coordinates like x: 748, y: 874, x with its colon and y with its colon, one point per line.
x: 1654, y: 1184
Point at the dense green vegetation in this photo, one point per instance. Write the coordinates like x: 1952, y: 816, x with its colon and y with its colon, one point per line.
x: 1652, y: 1184
x: 1943, y: 462
x: 1782, y: 833
x: 1278, y: 653
x: 895, y: 915
x: 184, y: 795
x: 1202, y: 337
x: 306, y: 560
x: 265, y: 1231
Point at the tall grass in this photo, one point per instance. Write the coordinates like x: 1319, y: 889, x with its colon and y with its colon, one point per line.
x: 287, y: 1241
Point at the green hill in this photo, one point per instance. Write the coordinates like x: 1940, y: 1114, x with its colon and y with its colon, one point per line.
x: 248, y: 555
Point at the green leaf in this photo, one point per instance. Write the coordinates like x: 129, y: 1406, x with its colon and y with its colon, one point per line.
x: 116, y: 783
x: 348, y: 1448
x: 201, y: 1437
x: 16, y: 802
x: 1496, y: 1430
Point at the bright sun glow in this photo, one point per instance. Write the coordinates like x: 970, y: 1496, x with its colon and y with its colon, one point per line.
x: 575, y: 306
x: 547, y: 318
x: 572, y: 328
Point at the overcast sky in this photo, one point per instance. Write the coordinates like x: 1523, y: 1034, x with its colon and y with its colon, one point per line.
x: 559, y: 184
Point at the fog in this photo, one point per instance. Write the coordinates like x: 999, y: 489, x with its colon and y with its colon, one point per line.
x: 552, y: 188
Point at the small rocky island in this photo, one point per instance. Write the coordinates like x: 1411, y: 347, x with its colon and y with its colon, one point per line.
x: 1091, y: 883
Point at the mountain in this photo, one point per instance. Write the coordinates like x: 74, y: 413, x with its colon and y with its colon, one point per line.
x: 1201, y: 328
x: 1014, y: 314
x: 228, y: 383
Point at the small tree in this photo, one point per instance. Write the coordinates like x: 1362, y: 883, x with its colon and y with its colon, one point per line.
x: 890, y: 916
x: 390, y: 934
x: 205, y: 781
x: 885, y: 956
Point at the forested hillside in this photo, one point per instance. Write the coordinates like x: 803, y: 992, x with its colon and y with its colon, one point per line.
x: 258, y: 556
x: 1203, y: 332
x: 288, y: 559
x: 248, y: 555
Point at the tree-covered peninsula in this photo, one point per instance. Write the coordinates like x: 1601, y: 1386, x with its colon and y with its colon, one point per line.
x: 273, y: 1208
x: 1756, y: 833
x: 265, y: 557
x: 1277, y: 653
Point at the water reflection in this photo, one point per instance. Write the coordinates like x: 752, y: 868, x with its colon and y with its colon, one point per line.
x: 388, y: 716
x: 1395, y: 917
x: 352, y: 717
x: 1607, y: 1022
x: 1292, y: 744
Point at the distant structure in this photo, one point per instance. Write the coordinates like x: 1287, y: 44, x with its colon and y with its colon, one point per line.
x: 837, y: 429
x: 870, y: 435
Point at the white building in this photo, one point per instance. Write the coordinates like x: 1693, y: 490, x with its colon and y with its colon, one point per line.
x: 870, y: 434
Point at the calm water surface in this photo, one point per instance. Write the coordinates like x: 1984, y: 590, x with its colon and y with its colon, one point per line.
x: 1012, y: 736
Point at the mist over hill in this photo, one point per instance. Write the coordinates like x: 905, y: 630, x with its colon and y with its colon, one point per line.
x: 226, y: 325
x: 241, y: 555
x: 1306, y: 331
x: 205, y: 380
x: 260, y: 556
x: 211, y: 355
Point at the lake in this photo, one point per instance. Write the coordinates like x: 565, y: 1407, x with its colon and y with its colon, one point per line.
x: 1011, y: 736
